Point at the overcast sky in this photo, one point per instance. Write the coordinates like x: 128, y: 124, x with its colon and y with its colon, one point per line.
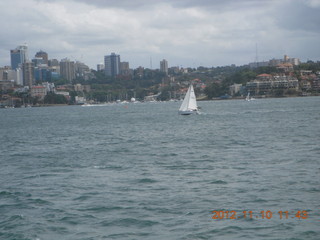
x: 187, y: 33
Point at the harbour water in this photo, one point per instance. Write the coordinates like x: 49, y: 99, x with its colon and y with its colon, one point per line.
x: 141, y: 171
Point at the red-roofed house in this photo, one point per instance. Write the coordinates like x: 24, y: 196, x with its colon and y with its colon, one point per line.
x: 286, y: 67
x: 264, y: 77
x: 38, y: 91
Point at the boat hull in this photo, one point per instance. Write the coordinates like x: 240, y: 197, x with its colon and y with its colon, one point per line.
x: 188, y: 112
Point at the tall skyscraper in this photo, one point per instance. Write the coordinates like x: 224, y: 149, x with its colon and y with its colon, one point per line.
x: 67, y: 69
x: 164, y: 66
x: 43, y: 55
x: 27, y: 72
x: 112, y: 65
x: 19, y: 56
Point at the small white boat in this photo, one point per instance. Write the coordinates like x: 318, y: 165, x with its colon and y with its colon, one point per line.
x: 248, y: 98
x: 189, y: 104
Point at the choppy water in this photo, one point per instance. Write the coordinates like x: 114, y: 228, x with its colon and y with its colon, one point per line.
x: 141, y: 171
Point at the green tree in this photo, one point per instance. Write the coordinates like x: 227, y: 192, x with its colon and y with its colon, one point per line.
x: 241, y: 77
x: 52, y: 98
x: 278, y: 92
x: 61, y: 81
x: 213, y: 90
x: 165, y: 94
x: 100, y: 96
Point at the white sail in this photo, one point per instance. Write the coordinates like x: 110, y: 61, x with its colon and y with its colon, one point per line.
x: 184, y: 105
x: 248, y: 97
x: 189, y: 103
x: 192, y: 100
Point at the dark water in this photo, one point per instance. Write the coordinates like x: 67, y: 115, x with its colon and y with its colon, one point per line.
x: 141, y: 171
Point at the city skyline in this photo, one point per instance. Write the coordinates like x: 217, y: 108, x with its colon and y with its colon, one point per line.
x: 188, y: 34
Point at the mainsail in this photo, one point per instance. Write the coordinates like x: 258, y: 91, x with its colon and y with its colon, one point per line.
x: 189, y: 102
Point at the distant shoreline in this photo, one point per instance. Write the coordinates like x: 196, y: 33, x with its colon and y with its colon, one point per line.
x: 257, y: 97
x: 199, y: 100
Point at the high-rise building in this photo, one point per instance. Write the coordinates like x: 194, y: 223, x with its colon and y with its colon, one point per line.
x: 54, y: 67
x: 8, y: 74
x: 3, y: 73
x: 19, y: 56
x: 100, y: 67
x: 43, y: 55
x: 53, y: 63
x: 81, y: 69
x: 37, y: 61
x: 124, y: 68
x: 27, y: 72
x: 42, y: 73
x: 112, y: 65
x: 67, y: 69
x: 18, y: 77
x: 164, y: 66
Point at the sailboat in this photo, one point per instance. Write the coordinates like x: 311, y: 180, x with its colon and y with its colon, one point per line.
x: 189, y: 104
x: 248, y: 98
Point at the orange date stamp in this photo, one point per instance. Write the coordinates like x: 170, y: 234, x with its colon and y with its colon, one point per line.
x: 301, y: 214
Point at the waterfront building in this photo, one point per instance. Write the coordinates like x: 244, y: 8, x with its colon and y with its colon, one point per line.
x: 80, y: 100
x: 235, y: 88
x: 112, y: 65
x: 265, y: 83
x: 305, y: 85
x: 315, y: 83
x: 164, y: 66
x: 67, y: 69
x: 38, y: 91
x: 18, y: 56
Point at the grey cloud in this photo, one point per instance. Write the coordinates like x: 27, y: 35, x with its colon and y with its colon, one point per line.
x: 87, y: 40
x: 185, y: 32
x: 298, y: 16
x: 142, y: 4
